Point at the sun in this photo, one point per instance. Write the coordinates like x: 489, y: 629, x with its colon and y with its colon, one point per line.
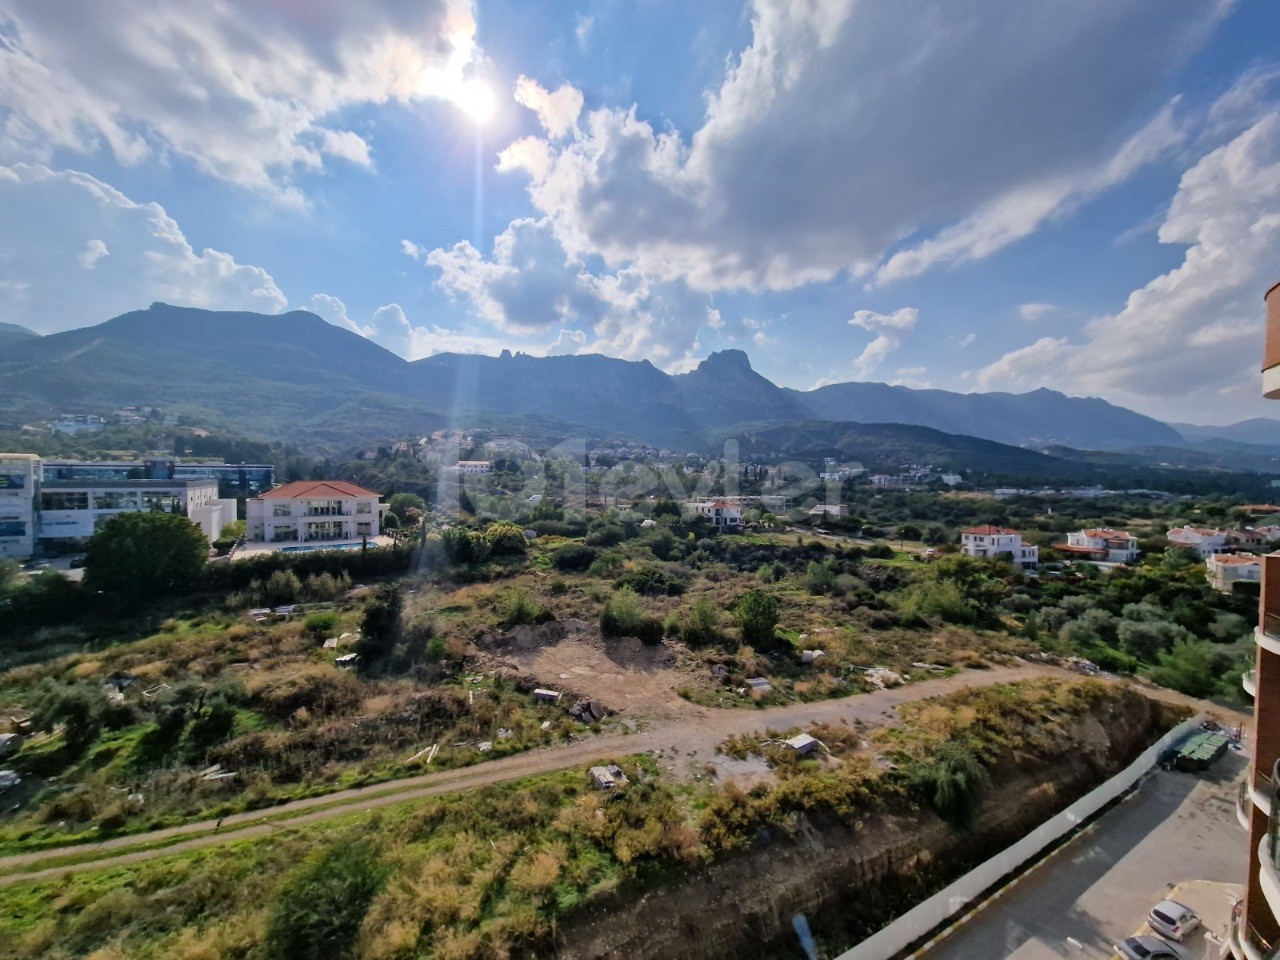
x: 475, y: 99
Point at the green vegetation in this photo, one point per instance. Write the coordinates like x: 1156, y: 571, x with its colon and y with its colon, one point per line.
x: 136, y: 556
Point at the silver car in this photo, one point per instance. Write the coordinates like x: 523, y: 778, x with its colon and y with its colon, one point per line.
x: 1150, y: 948
x: 1172, y: 919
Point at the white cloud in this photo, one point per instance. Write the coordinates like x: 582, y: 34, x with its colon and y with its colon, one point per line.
x: 557, y: 112
x: 249, y: 92
x: 1188, y: 343
x: 1036, y: 311
x: 48, y: 215
x: 93, y: 251
x: 966, y: 341
x: 411, y: 249
x: 890, y: 330
x: 844, y: 130
x: 582, y: 29
x: 532, y: 284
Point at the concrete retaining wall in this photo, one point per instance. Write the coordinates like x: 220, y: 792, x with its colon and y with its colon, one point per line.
x: 935, y: 911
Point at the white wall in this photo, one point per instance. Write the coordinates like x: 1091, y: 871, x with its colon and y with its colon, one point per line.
x: 935, y: 911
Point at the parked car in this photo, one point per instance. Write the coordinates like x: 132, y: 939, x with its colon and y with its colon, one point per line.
x: 1172, y: 919
x: 9, y: 779
x: 1150, y: 948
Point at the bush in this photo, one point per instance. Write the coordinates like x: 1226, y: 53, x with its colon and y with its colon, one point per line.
x: 319, y: 909
x: 505, y: 539
x: 651, y: 581
x: 757, y: 615
x: 518, y: 607
x: 951, y: 783
x: 321, y: 624
x: 574, y: 557
x: 624, y: 617
x: 702, y: 624
x: 380, y: 628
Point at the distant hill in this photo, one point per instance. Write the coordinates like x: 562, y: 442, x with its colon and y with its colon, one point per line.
x: 1041, y: 418
x: 292, y: 376
x: 1261, y: 431
x: 16, y: 329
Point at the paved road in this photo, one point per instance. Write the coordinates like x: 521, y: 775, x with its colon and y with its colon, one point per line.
x: 699, y: 734
x: 1099, y: 887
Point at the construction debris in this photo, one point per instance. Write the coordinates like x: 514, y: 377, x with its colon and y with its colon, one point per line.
x: 811, y: 656
x: 589, y: 711
x: 608, y: 777
x: 883, y: 677
x: 543, y: 695
x: 759, y: 684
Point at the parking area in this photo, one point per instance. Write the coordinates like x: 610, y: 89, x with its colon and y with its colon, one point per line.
x: 1098, y: 888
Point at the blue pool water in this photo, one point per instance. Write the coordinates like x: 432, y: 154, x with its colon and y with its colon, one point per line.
x: 308, y: 547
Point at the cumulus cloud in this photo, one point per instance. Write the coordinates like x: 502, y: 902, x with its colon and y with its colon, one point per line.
x: 249, y: 92
x: 531, y: 283
x: 890, y: 330
x: 1188, y: 343
x: 129, y: 254
x: 844, y: 130
x: 557, y: 112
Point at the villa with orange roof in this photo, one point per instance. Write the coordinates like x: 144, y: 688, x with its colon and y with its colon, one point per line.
x: 1224, y: 570
x: 1203, y: 540
x: 721, y: 513
x: 992, y: 541
x: 313, y: 511
x: 1102, y: 544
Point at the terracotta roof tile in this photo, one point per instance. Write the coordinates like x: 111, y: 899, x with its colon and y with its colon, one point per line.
x: 317, y: 489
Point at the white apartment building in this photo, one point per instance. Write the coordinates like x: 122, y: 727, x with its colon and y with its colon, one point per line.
x: 1103, y: 543
x: 993, y: 541
x: 314, y: 510
x: 474, y: 466
x: 19, y: 479
x: 721, y: 513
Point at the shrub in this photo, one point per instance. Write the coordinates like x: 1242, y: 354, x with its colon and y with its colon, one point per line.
x: 505, y: 539
x: 951, y: 782
x: 574, y: 557
x: 623, y: 616
x: 651, y: 581
x: 757, y: 615
x: 319, y: 909
x: 380, y: 628
x: 702, y: 624
x: 321, y: 624
x: 518, y: 607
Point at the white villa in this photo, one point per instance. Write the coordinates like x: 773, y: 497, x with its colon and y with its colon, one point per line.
x: 474, y: 466
x: 314, y: 510
x: 1202, y: 540
x: 1103, y: 543
x: 1223, y: 570
x: 993, y: 541
x: 721, y: 513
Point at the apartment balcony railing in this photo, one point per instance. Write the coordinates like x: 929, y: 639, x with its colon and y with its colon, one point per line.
x: 1269, y: 848
x: 1268, y: 635
x: 326, y: 512
x: 1250, y: 682
x: 1244, y: 803
x: 1245, y: 942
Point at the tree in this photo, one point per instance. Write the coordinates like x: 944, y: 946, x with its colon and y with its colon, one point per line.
x: 380, y: 629
x: 401, y: 503
x: 757, y: 615
x: 505, y: 539
x: 78, y: 707
x: 137, y: 555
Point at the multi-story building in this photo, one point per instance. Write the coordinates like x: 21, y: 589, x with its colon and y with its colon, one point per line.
x: 993, y: 541
x: 19, y: 485
x: 55, y: 507
x: 1225, y: 570
x: 474, y: 466
x: 234, y: 479
x: 721, y: 513
x: 1255, y: 924
x: 1204, y: 541
x: 314, y: 510
x: 71, y: 511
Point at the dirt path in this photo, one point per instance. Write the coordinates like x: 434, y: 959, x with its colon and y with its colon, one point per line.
x: 694, y: 737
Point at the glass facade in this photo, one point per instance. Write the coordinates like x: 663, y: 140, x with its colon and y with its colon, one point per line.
x: 64, y: 500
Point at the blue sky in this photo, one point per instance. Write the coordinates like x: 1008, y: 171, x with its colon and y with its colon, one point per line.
x: 992, y: 196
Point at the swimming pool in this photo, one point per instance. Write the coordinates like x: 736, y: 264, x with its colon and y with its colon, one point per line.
x: 308, y: 547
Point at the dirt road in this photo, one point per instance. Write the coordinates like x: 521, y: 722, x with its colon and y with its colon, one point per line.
x: 692, y: 738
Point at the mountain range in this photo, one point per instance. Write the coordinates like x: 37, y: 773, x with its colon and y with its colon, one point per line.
x: 293, y: 376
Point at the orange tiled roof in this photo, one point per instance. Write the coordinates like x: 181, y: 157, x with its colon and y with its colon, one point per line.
x: 306, y: 489
x: 989, y: 530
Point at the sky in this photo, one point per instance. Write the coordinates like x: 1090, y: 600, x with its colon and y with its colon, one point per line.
x: 999, y: 195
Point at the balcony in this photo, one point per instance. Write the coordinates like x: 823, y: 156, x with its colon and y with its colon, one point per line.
x: 1271, y: 353
x: 1268, y: 635
x: 1245, y: 942
x: 1250, y: 682
x: 326, y: 512
x: 1269, y: 851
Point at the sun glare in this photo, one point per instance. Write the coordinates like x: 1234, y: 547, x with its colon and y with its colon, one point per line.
x: 476, y: 100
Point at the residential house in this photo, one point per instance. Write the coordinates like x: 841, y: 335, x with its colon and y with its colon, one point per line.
x: 721, y: 513
x: 474, y: 466
x: 1224, y: 570
x: 1246, y: 538
x: 1102, y: 544
x: 824, y: 510
x: 1205, y: 542
x: 314, y: 510
x: 992, y: 541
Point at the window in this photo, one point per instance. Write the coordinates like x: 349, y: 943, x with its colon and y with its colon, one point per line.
x: 64, y: 500
x: 364, y: 506
x: 281, y: 510
x: 167, y: 502
x: 115, y: 500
